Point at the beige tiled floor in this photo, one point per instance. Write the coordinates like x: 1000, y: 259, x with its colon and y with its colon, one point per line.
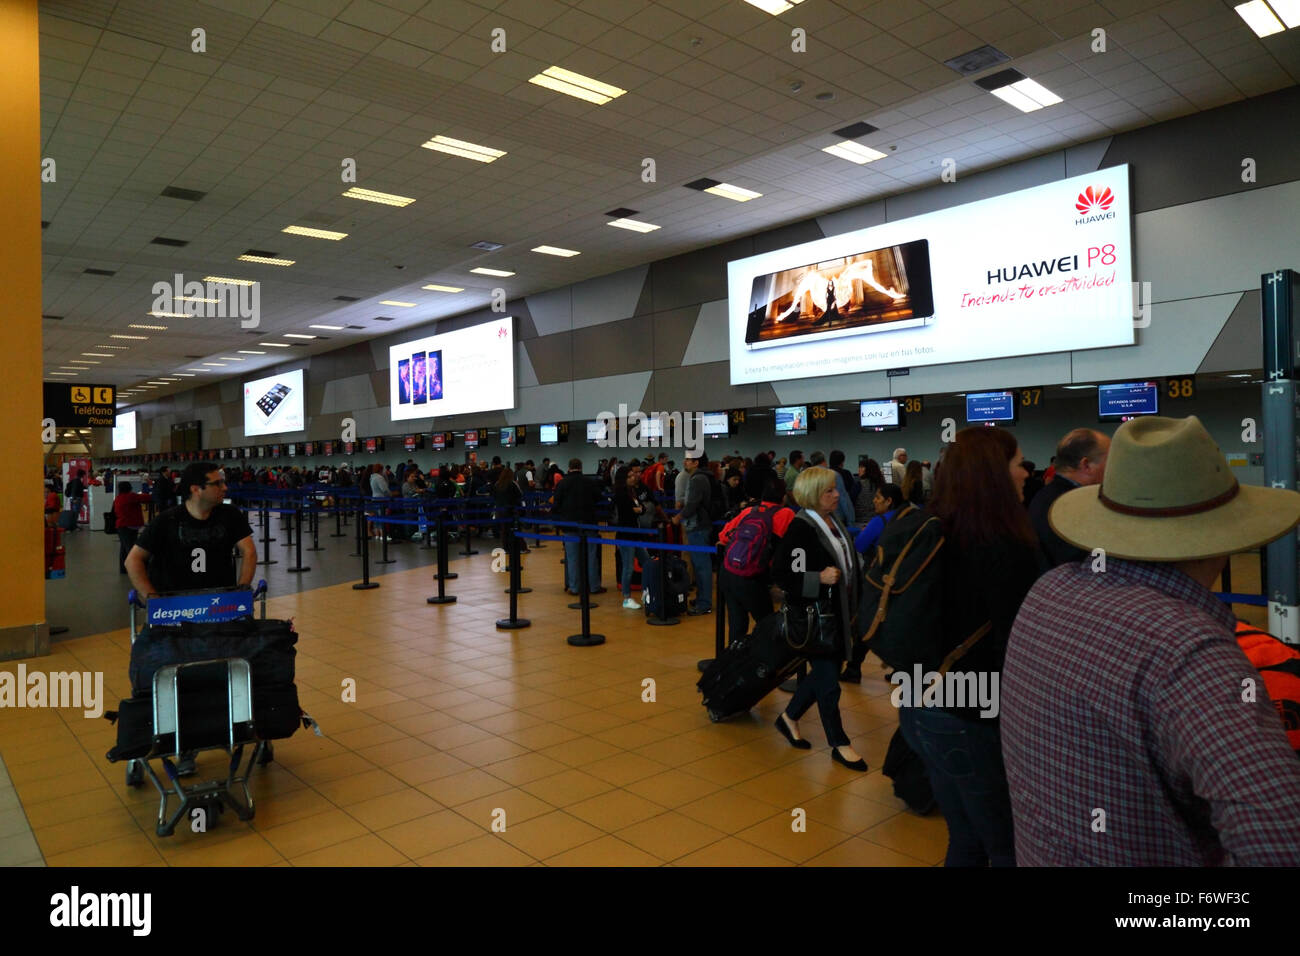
x: 458, y: 727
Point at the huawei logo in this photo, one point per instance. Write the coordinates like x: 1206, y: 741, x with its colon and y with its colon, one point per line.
x: 1094, y: 200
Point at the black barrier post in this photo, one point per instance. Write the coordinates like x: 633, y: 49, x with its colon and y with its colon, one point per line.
x: 469, y: 531
x: 586, y: 638
x: 510, y: 535
x: 288, y: 523
x: 315, y: 525
x: 537, y: 544
x: 661, y: 619
x: 384, y: 535
x: 365, y: 584
x: 444, y: 547
x: 514, y: 622
x: 298, y: 565
x: 361, y: 505
x: 266, y: 540
x: 426, y: 530
x: 338, y: 517
x: 442, y: 597
x: 719, y: 610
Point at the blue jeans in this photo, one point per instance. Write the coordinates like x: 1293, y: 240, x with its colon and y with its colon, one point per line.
x: 571, y: 569
x: 630, y: 553
x: 703, y: 564
x: 963, y: 759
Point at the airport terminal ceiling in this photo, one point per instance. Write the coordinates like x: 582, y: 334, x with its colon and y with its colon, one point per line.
x: 179, y: 137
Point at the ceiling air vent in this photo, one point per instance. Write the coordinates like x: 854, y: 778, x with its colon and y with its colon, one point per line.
x: 189, y: 195
x: 622, y: 212
x: 164, y: 241
x: 856, y: 130
x: 487, y: 246
x: 100, y: 272
x: 346, y: 298
x: 980, y: 58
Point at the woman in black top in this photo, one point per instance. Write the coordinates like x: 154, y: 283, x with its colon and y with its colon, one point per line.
x: 870, y: 480
x: 628, y: 510
x: 989, y: 562
x: 815, y: 562
x: 734, y: 490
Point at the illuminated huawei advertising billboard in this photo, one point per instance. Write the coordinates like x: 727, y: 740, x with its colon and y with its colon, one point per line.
x: 1047, y: 269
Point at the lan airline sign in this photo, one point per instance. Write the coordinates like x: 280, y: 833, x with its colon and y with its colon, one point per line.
x: 1047, y: 269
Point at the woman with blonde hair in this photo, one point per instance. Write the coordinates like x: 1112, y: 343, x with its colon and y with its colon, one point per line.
x: 816, y: 565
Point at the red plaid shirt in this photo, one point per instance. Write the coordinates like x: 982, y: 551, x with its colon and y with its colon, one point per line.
x: 1123, y: 692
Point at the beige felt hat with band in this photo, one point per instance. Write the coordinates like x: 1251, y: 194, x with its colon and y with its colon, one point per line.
x: 1169, y: 495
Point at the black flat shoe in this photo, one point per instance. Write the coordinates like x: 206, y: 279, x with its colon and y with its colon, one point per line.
x: 798, y: 743
x: 852, y: 674
x: 859, y: 765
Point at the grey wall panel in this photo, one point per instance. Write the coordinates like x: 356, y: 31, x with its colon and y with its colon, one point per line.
x: 1047, y: 168
x: 847, y: 220
x: 993, y: 374
x: 231, y: 390
x: 552, y: 311
x: 524, y: 374
x: 543, y: 403
x: 608, y: 298
x: 1199, y: 156
x: 695, y: 277
x: 1086, y: 158
x: 1175, y: 344
x: 671, y: 331
x: 345, y: 395
x: 834, y: 388
x: 1218, y: 245
x: 709, y: 341
x: 591, y: 396
x: 1239, y: 345
x: 699, y: 388
x: 612, y: 348
x: 552, y: 357
x: 791, y: 235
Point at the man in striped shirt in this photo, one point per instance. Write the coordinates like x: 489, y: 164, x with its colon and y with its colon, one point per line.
x: 1134, y: 730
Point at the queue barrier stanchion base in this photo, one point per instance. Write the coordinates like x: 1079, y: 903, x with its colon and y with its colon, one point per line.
x: 445, y: 599
x: 578, y: 605
x: 364, y: 585
x: 586, y: 640
x: 506, y: 624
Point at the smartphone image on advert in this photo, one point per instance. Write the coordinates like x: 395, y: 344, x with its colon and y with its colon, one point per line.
x: 273, y: 400
x: 404, y: 382
x: 873, y: 291
x: 419, y: 385
x: 435, y: 375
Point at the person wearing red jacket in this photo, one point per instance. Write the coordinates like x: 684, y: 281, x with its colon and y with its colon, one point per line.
x: 129, y: 518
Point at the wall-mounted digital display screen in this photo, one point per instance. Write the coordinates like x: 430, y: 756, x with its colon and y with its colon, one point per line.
x: 1054, y: 275
x: 597, y: 431
x: 508, y: 437
x: 791, y: 420
x: 715, y: 424
x: 879, y: 416
x: 274, y: 404
x: 454, y: 373
x: 471, y: 438
x: 413, y: 442
x: 990, y: 407
x: 1124, y: 400
x: 124, y: 431
x: 548, y: 434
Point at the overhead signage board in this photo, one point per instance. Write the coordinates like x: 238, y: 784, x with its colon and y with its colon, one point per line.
x: 81, y: 406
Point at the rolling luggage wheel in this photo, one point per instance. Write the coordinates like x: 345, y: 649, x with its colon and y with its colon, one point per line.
x: 134, y: 775
x: 715, y: 716
x: 761, y: 671
x: 266, y: 756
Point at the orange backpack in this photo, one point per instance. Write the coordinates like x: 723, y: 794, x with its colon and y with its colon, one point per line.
x: 1279, y: 664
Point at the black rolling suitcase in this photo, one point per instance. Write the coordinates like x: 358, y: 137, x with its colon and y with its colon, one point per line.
x: 678, y: 583
x: 907, y: 770
x: 748, y: 670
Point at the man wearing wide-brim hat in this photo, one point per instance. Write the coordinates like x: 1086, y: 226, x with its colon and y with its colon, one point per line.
x: 1135, y: 731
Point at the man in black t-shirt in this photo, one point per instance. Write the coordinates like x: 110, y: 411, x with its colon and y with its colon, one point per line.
x: 192, y: 546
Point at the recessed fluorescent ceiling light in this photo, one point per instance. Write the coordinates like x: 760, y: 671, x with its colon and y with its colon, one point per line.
x: 1078, y: 386
x: 120, y: 348
x: 98, y: 355
x: 155, y: 328
x: 633, y: 225
x: 61, y: 373
x: 729, y: 191
x: 458, y: 147
x: 216, y: 364
x: 82, y: 362
x: 171, y: 380
x: 198, y: 370
x: 774, y: 7
x: 1288, y: 10
x: 230, y: 358
x: 1012, y: 86
x: 266, y: 260
x: 439, y: 288
x: 223, y: 280
x: 193, y: 298
x: 185, y: 374
x: 1260, y: 18
x: 157, y: 382
x: 332, y: 328
x: 556, y: 251
x: 481, y: 270
x: 1239, y: 375
x: 168, y: 315
x: 854, y: 152
x: 250, y: 352
x: 276, y: 345
x: 297, y: 335
x: 400, y: 305
x: 314, y: 233
x: 575, y: 84
x: 369, y: 195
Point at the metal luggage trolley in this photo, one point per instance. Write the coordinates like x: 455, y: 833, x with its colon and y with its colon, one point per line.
x: 198, y: 706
